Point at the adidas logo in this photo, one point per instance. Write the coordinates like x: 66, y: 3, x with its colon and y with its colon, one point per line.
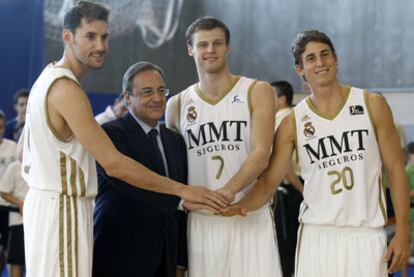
x: 305, y: 118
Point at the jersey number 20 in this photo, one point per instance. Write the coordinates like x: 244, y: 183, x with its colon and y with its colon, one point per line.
x: 346, y: 177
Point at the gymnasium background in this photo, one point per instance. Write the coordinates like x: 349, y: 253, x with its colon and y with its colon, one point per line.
x: 373, y: 39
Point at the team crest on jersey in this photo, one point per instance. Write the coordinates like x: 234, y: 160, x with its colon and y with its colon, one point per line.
x: 357, y: 109
x: 191, y: 114
x: 305, y: 118
x: 308, y: 130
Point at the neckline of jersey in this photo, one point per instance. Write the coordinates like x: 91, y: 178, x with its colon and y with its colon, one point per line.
x: 315, y: 109
x: 210, y: 101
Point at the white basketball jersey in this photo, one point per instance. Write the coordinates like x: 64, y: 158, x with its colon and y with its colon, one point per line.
x: 49, y: 163
x: 341, y: 165
x: 217, y: 134
x: 7, y: 156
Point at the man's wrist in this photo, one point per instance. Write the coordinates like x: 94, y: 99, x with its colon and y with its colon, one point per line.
x: 230, y: 189
x: 179, y: 190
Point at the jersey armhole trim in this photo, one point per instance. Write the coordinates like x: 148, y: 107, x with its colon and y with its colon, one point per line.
x: 295, y: 138
x: 178, y: 127
x: 249, y: 96
x: 369, y: 110
x: 381, y: 198
x: 48, y: 122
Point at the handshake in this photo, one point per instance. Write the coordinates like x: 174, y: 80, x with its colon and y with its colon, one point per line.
x: 217, y: 202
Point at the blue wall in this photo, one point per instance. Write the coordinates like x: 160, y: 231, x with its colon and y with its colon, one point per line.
x: 21, y: 48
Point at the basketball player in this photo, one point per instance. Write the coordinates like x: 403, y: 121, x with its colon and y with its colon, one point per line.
x: 343, y: 136
x: 288, y: 198
x: 227, y: 122
x: 61, y: 140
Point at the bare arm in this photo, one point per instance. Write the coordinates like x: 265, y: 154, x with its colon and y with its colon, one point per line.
x: 172, y: 119
x: 389, y: 144
x: 262, y: 131
x: 70, y: 111
x: 294, y: 180
x: 280, y: 162
x: 13, y: 200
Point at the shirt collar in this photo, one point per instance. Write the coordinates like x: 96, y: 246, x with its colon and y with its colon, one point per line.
x: 144, y: 125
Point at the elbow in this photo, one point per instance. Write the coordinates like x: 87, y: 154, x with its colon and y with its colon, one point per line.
x: 268, y: 189
x: 112, y: 169
x: 263, y: 160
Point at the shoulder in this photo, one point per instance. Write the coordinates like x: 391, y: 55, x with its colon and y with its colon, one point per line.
x: 289, y: 120
x: 261, y: 97
x: 174, y: 100
x: 170, y: 133
x: 260, y: 89
x: 65, y: 84
x: 117, y: 123
x: 258, y: 85
x: 115, y: 128
x: 9, y: 142
x: 375, y: 100
x: 376, y: 104
x: 66, y: 92
x: 378, y: 108
x: 172, y: 112
x: 286, y: 132
x: 15, y: 166
x: 174, y: 139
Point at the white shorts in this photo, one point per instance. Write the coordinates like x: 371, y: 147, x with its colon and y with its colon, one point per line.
x: 326, y: 251
x: 234, y: 246
x: 58, y: 235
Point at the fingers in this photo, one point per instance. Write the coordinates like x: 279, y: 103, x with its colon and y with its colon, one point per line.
x: 233, y: 212
x: 388, y: 254
x: 397, y: 257
x: 206, y: 197
x: 200, y: 208
x: 207, y: 210
x: 202, y: 195
x: 395, y: 261
x: 216, y: 198
x: 392, y: 264
x: 214, y: 205
x: 227, y: 195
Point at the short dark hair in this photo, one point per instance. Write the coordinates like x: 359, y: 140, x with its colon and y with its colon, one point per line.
x: 284, y: 88
x: 410, y: 148
x: 303, y: 38
x: 2, y: 115
x: 206, y: 23
x: 135, y: 69
x: 84, y: 9
x: 20, y: 93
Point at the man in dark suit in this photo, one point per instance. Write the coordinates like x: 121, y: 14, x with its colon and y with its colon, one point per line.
x: 138, y: 232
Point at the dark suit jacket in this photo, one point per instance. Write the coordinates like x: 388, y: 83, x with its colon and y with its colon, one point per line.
x: 136, y: 231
